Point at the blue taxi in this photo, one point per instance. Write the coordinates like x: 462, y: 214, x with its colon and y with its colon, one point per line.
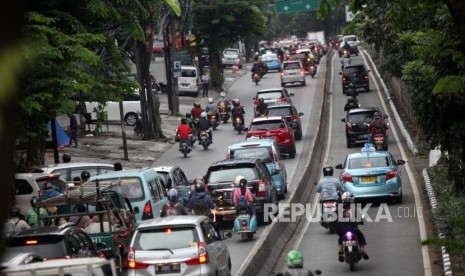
x: 372, y: 174
x: 268, y: 151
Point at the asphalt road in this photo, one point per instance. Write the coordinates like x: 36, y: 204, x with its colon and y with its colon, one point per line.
x: 198, y: 161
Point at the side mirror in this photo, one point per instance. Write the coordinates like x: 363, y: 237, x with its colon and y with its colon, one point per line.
x: 291, y: 94
x: 340, y: 73
x: 301, y: 114
x: 136, y: 210
x: 339, y: 166
x: 400, y: 162
x: 276, y: 172
x: 343, y: 120
x: 245, y: 129
x: 317, y: 272
x: 227, y: 234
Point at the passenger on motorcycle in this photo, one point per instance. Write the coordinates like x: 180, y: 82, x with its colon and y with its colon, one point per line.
x: 351, y: 103
x: 329, y: 186
x: 378, y: 126
x: 224, y: 103
x: 183, y: 132
x: 261, y: 107
x: 242, y: 197
x: 204, y: 125
x: 237, y: 111
x: 173, y: 207
x: 350, y: 223
x: 201, y: 202
x: 196, y: 111
x: 295, y: 265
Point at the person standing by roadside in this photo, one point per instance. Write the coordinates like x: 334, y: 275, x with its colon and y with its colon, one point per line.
x: 205, y: 83
x: 72, y: 130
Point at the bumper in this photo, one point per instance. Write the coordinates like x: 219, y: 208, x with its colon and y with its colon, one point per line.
x: 382, y: 191
x: 359, y: 137
x: 348, y: 85
x: 188, y: 89
x: 296, y: 78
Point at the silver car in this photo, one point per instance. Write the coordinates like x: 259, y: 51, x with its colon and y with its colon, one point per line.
x: 178, y: 245
x: 292, y: 71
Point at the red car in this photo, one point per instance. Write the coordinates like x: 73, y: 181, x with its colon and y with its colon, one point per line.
x: 275, y: 127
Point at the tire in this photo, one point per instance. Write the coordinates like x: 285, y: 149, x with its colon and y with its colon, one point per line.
x: 367, y: 88
x: 249, y: 236
x: 304, y: 83
x: 225, y: 121
x: 344, y: 91
x: 352, y: 264
x: 185, y: 154
x: 356, y: 54
x: 239, y: 131
x: 205, y: 146
x: 130, y: 118
x: 331, y: 229
x: 292, y: 152
x: 282, y: 84
x: 349, y: 144
x: 298, y: 136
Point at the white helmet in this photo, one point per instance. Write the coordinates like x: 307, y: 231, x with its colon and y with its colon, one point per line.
x: 203, y: 114
x: 238, y: 180
x: 223, y: 94
x: 210, y: 100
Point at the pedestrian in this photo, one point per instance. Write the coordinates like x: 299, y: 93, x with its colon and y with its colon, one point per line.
x: 117, y: 166
x: 72, y: 130
x: 15, y: 224
x: 205, y: 83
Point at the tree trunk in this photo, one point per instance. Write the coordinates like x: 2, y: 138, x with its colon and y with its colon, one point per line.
x: 35, y: 152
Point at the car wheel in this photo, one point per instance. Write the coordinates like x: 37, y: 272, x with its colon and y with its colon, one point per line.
x: 292, y: 152
x: 282, y: 84
x: 130, y: 118
x: 304, y: 83
x: 349, y: 144
x: 298, y: 136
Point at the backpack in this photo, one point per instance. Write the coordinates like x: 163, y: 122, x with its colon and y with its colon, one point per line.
x: 172, y: 210
x: 201, y: 207
x: 378, y: 125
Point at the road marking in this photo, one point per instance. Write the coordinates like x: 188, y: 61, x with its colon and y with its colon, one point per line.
x: 413, y: 183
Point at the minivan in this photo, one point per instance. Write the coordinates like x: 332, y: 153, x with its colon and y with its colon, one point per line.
x: 188, y: 82
x: 141, y: 186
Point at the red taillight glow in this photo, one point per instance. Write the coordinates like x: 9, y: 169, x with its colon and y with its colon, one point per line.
x: 347, y: 177
x: 255, y: 102
x: 344, y: 79
x: 132, y: 264
x: 261, y: 189
x: 148, y: 214
x: 391, y: 174
x: 31, y: 242
x: 366, y: 77
x: 283, y: 100
x: 294, y: 118
x: 349, y: 126
x: 202, y: 258
x: 243, y: 223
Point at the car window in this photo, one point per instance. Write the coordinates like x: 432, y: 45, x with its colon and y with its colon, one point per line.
x: 267, y: 125
x: 46, y: 246
x: 63, y: 173
x: 131, y: 187
x: 223, y: 174
x: 264, y: 153
x: 270, y: 95
x: 131, y: 97
x: 22, y: 187
x: 230, y: 52
x: 354, y: 70
x: 285, y: 111
x: 369, y: 162
x: 263, y: 170
x: 291, y: 66
x: 360, y: 117
x: 166, y: 237
x: 189, y: 73
x: 58, y: 182
x: 105, y: 170
x: 160, y: 188
x: 156, y: 196
x: 209, y: 232
x: 77, y: 171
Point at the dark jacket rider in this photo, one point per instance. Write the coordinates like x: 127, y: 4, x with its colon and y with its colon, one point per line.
x: 204, y: 124
x: 237, y: 111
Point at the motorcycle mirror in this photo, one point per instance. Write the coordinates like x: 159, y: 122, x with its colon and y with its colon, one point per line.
x: 227, y: 234
x: 339, y: 166
x: 317, y: 272
x: 301, y: 114
x: 291, y: 94
x: 343, y: 120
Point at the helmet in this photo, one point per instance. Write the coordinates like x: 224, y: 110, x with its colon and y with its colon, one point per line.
x: 183, y: 121
x: 377, y: 114
x: 223, y: 94
x: 328, y: 171
x: 347, y: 197
x: 350, y: 99
x: 66, y: 157
x: 15, y: 211
x: 238, y: 180
x: 203, y: 114
x: 85, y: 175
x: 236, y: 102
x: 294, y: 259
x: 210, y: 100
x: 173, y: 195
x: 34, y: 200
x: 188, y: 115
x: 196, y: 104
x: 200, y: 186
x: 198, y: 179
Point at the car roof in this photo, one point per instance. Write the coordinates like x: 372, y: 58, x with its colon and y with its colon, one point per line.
x: 171, y: 220
x: 45, y: 230
x: 35, y: 175
x: 234, y: 161
x: 73, y: 165
x: 165, y: 168
x: 270, y: 90
x: 261, y: 119
x: 58, y: 263
x: 123, y: 173
x: 279, y: 105
x: 253, y: 143
x: 188, y: 67
x: 371, y: 154
x: 363, y: 109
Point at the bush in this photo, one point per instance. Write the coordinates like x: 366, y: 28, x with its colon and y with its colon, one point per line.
x: 216, y: 77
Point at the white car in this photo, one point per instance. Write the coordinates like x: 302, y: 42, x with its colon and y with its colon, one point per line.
x: 189, y: 81
x: 232, y: 57
x: 131, y: 106
x: 72, y: 169
x: 291, y: 72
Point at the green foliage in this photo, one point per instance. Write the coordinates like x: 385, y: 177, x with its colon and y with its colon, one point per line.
x: 216, y: 77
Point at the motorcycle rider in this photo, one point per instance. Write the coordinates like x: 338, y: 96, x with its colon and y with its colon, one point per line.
x: 261, y: 107
x: 196, y: 111
x: 237, y: 111
x: 329, y: 186
x: 378, y: 126
x: 204, y: 125
x: 183, y: 132
x: 242, y: 197
x: 295, y: 265
x: 255, y: 68
x: 212, y: 109
x: 351, y: 103
x: 224, y: 104
x: 201, y: 202
x: 173, y: 207
x: 350, y: 224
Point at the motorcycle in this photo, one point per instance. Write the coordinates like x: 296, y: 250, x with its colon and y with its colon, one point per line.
x: 329, y: 215
x: 138, y: 126
x: 238, y: 125
x: 214, y: 120
x: 352, y: 252
x: 184, y: 147
x: 204, y: 140
x: 256, y: 78
x: 223, y: 112
x: 312, y: 70
x: 379, y: 142
x: 245, y: 225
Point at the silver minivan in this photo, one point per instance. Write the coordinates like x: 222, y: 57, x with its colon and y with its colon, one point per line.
x: 291, y: 72
x: 178, y: 245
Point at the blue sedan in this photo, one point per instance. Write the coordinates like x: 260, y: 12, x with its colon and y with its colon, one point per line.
x: 372, y: 174
x: 272, y: 61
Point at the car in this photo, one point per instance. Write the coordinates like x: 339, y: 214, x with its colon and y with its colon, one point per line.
x: 355, y: 76
x: 181, y: 245
x: 275, y: 127
x: 174, y: 177
x: 189, y: 81
x: 232, y: 57
x: 10, y: 259
x: 131, y: 106
x: 273, y: 96
x: 371, y: 174
x: 53, y: 242
x: 292, y: 72
x: 72, y: 169
x: 272, y: 61
x: 28, y: 185
x: 268, y: 151
x: 220, y: 179
x: 290, y: 113
x: 353, y: 43
x: 357, y: 121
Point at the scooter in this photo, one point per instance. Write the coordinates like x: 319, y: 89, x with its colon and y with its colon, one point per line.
x: 238, y: 125
x: 214, y: 120
x: 352, y: 252
x: 379, y: 142
x: 312, y: 70
x: 204, y: 141
x: 329, y: 215
x: 245, y: 225
x: 184, y: 147
x: 256, y: 78
x: 223, y: 112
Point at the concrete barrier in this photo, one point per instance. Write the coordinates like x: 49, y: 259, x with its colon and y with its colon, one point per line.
x: 262, y: 258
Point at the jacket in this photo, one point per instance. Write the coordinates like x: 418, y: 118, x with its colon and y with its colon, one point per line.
x: 195, y: 112
x: 183, y: 131
x: 203, y: 124
x: 198, y: 196
x: 329, y: 187
x: 238, y: 193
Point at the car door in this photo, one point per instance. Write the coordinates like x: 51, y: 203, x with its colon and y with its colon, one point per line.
x: 266, y: 176
x: 215, y: 246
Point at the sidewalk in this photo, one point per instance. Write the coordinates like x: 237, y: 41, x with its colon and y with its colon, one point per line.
x: 107, y: 147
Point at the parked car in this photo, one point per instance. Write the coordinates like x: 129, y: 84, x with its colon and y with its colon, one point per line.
x: 72, y: 169
x: 275, y: 127
x: 189, y: 81
x: 141, y: 186
x: 181, y: 245
x: 357, y: 123
x: 372, y: 174
x: 232, y: 57
x: 290, y: 113
x: 28, y: 185
x: 292, y: 72
x: 273, y: 96
x: 355, y: 76
x: 174, y: 177
x: 220, y: 183
x: 268, y: 151
x: 11, y: 260
x: 271, y: 61
x: 131, y: 106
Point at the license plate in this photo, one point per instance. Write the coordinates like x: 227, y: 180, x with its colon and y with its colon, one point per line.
x: 167, y: 268
x: 363, y: 136
x: 369, y: 178
x: 292, y: 74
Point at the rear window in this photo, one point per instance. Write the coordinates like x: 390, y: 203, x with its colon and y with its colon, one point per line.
x: 350, y: 38
x: 166, y: 238
x: 360, y: 117
x: 227, y: 174
x: 131, y: 187
x: 264, y: 153
x: 59, y: 183
x: 231, y: 52
x: 50, y: 246
x: 267, y: 125
x: 291, y: 66
x: 188, y: 73
x: 284, y: 111
x: 270, y: 95
x: 354, y: 70
x: 369, y: 162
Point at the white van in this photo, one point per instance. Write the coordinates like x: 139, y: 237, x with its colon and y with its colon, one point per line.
x: 189, y: 81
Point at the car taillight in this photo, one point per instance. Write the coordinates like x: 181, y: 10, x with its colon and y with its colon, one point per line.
x: 244, y: 223
x: 349, y: 126
x: 202, y: 258
x: 132, y: 264
x: 347, y: 177
x: 378, y: 138
x: 148, y: 214
x: 344, y: 79
x: 261, y: 189
x: 302, y: 72
x: 283, y: 100
x: 366, y: 77
x: 282, y: 74
x: 294, y: 118
x: 255, y: 102
x: 391, y: 174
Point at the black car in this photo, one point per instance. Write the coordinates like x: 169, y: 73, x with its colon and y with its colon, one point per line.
x: 290, y: 113
x: 220, y: 182
x: 52, y: 242
x: 357, y: 123
x: 355, y: 76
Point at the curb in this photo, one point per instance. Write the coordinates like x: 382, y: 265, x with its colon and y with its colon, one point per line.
x: 433, y: 202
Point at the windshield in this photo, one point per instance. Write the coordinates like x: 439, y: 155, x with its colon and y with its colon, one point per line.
x: 369, y: 162
x: 230, y: 52
x: 267, y: 125
x: 360, y: 117
x: 223, y: 174
x: 166, y: 238
x: 353, y: 70
x: 50, y: 246
x: 270, y: 95
x: 291, y: 66
x: 284, y: 111
x: 131, y: 187
x: 188, y: 73
x: 264, y: 153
